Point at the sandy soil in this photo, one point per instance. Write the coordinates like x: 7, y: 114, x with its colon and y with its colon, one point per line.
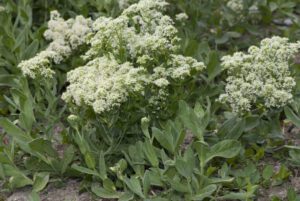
x: 69, y: 192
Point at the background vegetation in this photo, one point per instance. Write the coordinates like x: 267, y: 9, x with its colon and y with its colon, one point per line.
x: 197, y: 150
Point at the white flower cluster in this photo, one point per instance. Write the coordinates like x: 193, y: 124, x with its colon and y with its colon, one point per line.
x: 141, y: 33
x: 103, y: 84
x: 260, y: 77
x: 181, y: 17
x: 2, y: 9
x: 183, y: 67
x: 236, y: 5
x: 130, y: 56
x: 66, y: 36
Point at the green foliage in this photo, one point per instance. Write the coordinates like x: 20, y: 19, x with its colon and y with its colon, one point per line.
x: 192, y: 148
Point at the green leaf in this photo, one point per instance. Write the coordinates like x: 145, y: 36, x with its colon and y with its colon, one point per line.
x: 150, y: 154
x: 126, y: 196
x: 190, y: 120
x: 23, y: 99
x: 31, y: 50
x: 221, y: 180
x: 199, y: 111
x: 108, y: 184
x: 273, y: 6
x: 290, y: 114
x: 90, y: 160
x: 232, y: 128
x: 213, y: 66
x: 235, y: 196
x: 19, y: 181
x: 20, y: 41
x: 191, y: 47
x: 67, y: 158
x: 182, y: 168
x: 40, y: 181
x: 178, y: 133
x: 224, y: 149
x: 36, y: 163
x: 288, y: 5
x: 292, y: 147
x: 174, y: 135
x: 185, y: 166
x: 164, y: 139
x: 295, y: 156
x: 146, y: 182
x: 222, y: 39
x: 4, y: 159
x: 154, y: 178
x: 8, y: 80
x: 202, y: 150
x: 44, y: 147
x: 14, y: 131
x: 242, y: 195
x: 233, y: 34
x: 135, y: 186
x: 179, y: 186
x: 268, y: 172
x: 205, y: 192
x: 291, y: 194
x: 2, y: 174
x: 120, y: 166
x: 283, y: 173
x: 103, y: 193
x: 102, y: 166
x: 251, y: 122
x: 84, y: 170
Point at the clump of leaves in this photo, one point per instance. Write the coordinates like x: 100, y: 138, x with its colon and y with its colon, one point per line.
x: 108, y: 150
x: 158, y: 167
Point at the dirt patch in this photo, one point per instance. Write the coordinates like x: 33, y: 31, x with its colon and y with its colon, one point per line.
x: 68, y: 192
x: 291, y: 134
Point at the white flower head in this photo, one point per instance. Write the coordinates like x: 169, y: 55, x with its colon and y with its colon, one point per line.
x: 181, y: 17
x: 103, y: 84
x: 260, y: 76
x: 66, y: 36
x: 236, y: 5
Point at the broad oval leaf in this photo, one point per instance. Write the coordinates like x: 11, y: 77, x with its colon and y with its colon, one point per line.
x: 103, y: 193
x: 40, y: 181
x: 290, y: 114
x: 205, y: 192
x: 191, y: 120
x: 224, y: 149
x: 185, y: 165
x: 19, y: 180
x: 135, y: 186
x: 14, y: 130
x: 232, y: 128
x: 44, y: 147
x: 164, y: 139
x: 150, y: 154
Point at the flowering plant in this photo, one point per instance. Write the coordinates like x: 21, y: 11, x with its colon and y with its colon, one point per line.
x: 133, y: 59
x: 261, y: 78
